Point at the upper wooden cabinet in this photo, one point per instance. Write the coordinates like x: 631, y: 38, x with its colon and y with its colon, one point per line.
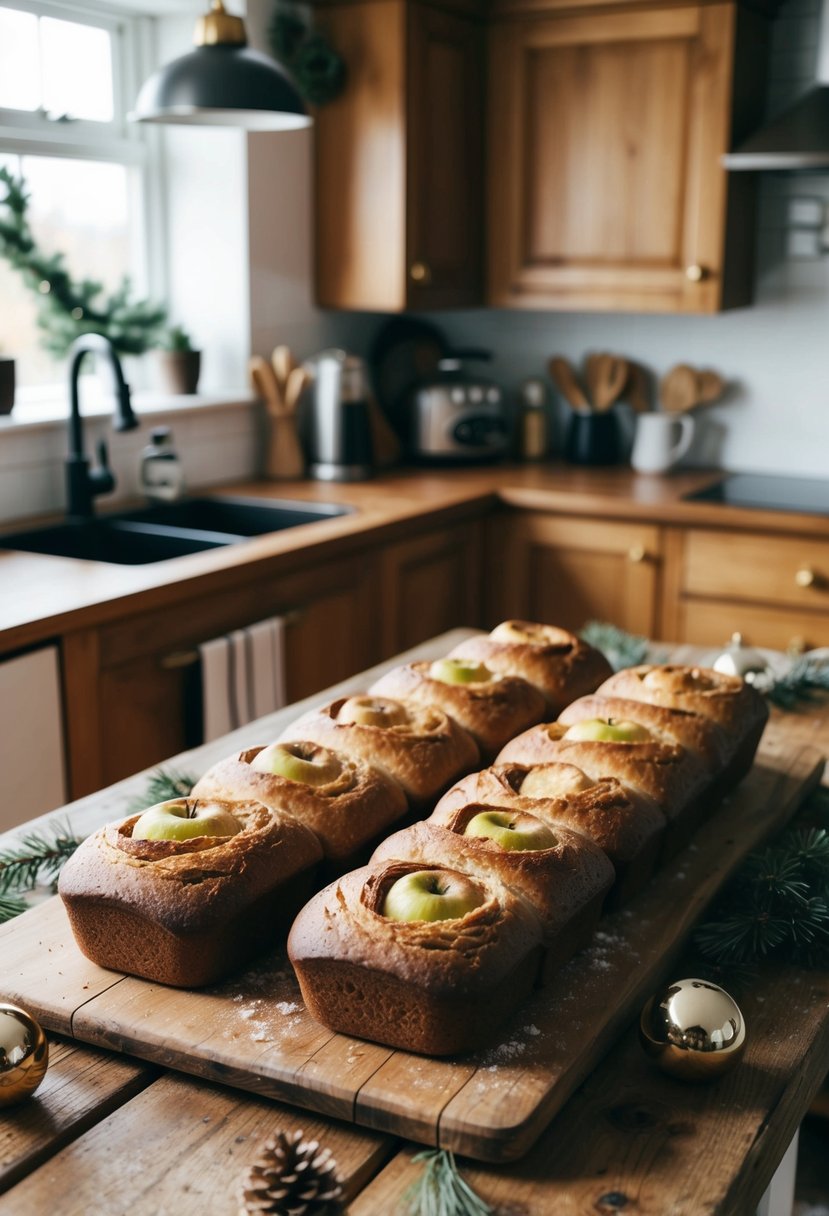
x: 605, y: 135
x: 399, y: 160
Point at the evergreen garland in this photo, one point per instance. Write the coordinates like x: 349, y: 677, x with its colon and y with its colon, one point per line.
x: 441, y: 1190
x: 164, y: 784
x: 804, y: 682
x: 621, y: 649
x: 67, y: 307
x: 317, y: 69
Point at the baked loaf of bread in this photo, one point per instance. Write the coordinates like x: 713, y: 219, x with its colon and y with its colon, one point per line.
x: 665, y: 772
x: 625, y: 824
x: 490, y: 706
x: 419, y: 746
x: 348, y: 804
x: 737, y: 708
x: 561, y: 875
x: 558, y: 663
x: 433, y: 986
x: 188, y: 912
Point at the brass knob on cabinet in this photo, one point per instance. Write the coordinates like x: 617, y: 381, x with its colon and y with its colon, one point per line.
x: 805, y: 577
x: 419, y: 272
x: 695, y: 273
x: 636, y: 553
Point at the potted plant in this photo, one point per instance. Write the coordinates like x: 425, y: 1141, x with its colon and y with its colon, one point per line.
x: 178, y: 363
x: 6, y: 385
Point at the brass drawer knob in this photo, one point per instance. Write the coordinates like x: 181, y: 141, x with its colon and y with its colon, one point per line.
x: 636, y: 553
x: 805, y: 577
x: 419, y: 272
x: 695, y: 273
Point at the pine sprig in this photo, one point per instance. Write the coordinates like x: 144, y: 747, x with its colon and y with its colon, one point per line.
x: 805, y: 680
x: 36, y: 858
x: 621, y: 649
x: 68, y: 307
x: 778, y: 902
x: 441, y: 1190
x: 164, y: 783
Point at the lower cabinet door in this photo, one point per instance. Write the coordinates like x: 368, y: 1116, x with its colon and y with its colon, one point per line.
x: 31, y: 740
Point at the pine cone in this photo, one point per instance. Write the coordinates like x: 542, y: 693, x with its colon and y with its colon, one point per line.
x: 292, y: 1176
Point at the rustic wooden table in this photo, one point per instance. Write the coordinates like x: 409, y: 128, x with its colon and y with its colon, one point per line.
x: 107, y: 1135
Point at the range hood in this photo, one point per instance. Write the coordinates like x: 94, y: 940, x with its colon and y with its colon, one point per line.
x: 799, y: 137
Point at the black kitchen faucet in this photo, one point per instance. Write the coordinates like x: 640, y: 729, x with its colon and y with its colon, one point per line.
x: 83, y: 484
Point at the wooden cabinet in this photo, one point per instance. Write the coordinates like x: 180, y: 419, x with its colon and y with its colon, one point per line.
x: 605, y: 135
x: 399, y: 160
x: 141, y: 696
x: 31, y: 741
x: 568, y: 571
x: 773, y: 589
x: 430, y: 584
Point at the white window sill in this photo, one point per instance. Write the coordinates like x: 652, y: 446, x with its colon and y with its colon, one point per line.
x: 53, y: 412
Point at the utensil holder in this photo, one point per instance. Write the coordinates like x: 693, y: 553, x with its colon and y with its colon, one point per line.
x: 284, y: 458
x: 592, y: 438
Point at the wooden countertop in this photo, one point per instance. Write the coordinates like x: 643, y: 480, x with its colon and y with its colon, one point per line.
x: 42, y: 596
x: 107, y: 1134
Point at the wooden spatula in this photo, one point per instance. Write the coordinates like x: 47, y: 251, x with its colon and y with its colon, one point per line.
x: 710, y: 387
x: 266, y: 386
x: 637, y: 389
x: 564, y: 378
x: 678, y: 389
x: 606, y: 379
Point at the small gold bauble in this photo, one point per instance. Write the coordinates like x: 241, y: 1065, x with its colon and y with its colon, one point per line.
x: 693, y: 1029
x: 24, y: 1054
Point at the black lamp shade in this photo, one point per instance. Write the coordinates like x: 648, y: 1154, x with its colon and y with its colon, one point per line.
x: 226, y: 86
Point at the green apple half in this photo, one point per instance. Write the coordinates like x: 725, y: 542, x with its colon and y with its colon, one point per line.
x: 528, y: 633
x: 373, y: 711
x: 608, y: 730
x: 460, y: 671
x: 513, y: 830
x: 432, y: 895
x: 554, y: 781
x: 184, y: 819
x: 303, y: 762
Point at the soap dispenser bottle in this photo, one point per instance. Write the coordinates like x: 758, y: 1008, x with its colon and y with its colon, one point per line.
x: 162, y: 475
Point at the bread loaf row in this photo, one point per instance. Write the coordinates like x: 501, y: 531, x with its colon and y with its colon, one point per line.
x: 454, y: 919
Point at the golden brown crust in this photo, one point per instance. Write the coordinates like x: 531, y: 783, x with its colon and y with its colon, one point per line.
x: 727, y: 700
x: 424, y: 753
x: 666, y: 773
x: 492, y: 711
x: 559, y: 664
x: 558, y: 883
x: 347, y: 813
x: 185, y: 913
x: 433, y: 987
x: 697, y: 734
x: 623, y: 823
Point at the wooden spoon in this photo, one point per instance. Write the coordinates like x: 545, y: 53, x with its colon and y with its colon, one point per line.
x: 564, y: 378
x: 678, y: 390
x: 710, y: 387
x: 298, y: 379
x: 637, y: 389
x: 606, y: 379
x: 283, y: 364
x: 265, y: 383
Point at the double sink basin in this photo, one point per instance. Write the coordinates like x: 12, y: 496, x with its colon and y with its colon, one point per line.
x: 168, y: 530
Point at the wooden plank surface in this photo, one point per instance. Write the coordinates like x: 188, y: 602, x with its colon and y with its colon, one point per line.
x: 253, y: 1031
x: 181, y: 1148
x: 80, y: 1088
x: 634, y: 1140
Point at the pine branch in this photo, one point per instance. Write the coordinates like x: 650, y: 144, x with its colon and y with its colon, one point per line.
x: 11, y: 906
x: 441, y: 1190
x: 804, y: 682
x: 37, y: 858
x: 163, y: 785
x: 621, y: 649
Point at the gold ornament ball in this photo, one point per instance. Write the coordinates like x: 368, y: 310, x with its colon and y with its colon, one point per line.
x: 24, y: 1054
x: 693, y: 1030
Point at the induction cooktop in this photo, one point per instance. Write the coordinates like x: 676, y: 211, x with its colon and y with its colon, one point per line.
x: 769, y: 491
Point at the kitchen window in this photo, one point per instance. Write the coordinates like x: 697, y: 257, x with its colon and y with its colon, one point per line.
x: 68, y: 77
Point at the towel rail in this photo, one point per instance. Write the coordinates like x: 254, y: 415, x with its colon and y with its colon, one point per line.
x: 188, y: 658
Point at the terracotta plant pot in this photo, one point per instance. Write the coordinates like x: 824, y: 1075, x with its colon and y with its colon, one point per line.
x: 178, y: 370
x: 6, y: 385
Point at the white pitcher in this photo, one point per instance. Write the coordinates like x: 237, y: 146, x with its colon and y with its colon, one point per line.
x: 661, y: 440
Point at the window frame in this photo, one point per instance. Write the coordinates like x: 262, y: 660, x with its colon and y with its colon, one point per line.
x: 33, y: 133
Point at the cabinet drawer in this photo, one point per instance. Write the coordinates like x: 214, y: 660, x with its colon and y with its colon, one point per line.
x: 788, y: 570
x: 712, y: 622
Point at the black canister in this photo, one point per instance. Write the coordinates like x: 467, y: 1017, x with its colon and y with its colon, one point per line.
x: 592, y: 438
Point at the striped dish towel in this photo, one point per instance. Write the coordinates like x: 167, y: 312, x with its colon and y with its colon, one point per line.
x: 242, y: 677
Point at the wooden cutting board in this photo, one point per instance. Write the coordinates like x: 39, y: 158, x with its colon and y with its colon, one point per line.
x: 253, y: 1032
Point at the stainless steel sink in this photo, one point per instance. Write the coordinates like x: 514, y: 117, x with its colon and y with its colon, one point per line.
x: 168, y: 530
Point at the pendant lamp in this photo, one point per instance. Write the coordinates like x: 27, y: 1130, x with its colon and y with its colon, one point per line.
x: 222, y: 83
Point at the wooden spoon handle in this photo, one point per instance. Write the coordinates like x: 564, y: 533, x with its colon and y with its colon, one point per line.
x: 564, y: 378
x: 264, y: 382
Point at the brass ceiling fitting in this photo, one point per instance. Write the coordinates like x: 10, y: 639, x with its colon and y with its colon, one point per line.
x: 220, y: 28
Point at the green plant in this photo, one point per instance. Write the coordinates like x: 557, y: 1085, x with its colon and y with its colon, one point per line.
x: 177, y: 339
x: 317, y: 69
